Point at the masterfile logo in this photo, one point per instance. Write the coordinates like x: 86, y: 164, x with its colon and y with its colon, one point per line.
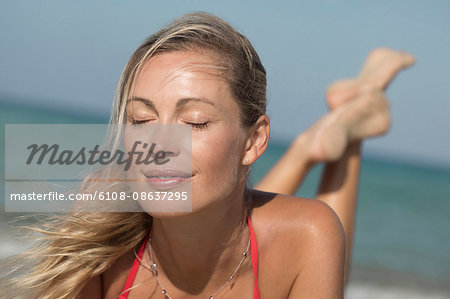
x: 98, y: 168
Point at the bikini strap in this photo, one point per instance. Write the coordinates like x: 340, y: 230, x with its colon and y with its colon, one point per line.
x: 134, y: 269
x: 140, y: 254
x: 254, y: 256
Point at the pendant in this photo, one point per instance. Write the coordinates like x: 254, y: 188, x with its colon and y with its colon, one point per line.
x: 153, y: 268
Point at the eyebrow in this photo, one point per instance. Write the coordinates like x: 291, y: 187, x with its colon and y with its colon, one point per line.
x: 180, y: 103
x: 183, y: 101
x: 146, y: 102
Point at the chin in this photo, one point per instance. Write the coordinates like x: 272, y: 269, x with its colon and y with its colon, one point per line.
x: 167, y: 215
x: 199, y: 206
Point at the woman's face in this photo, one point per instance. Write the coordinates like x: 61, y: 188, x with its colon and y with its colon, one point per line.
x: 185, y: 87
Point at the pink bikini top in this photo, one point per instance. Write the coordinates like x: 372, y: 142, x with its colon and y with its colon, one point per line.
x: 140, y: 254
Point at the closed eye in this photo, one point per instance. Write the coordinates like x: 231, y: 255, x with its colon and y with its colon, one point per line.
x: 199, y: 126
x: 135, y: 122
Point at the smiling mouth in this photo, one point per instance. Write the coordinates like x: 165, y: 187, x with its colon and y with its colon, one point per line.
x: 167, y: 179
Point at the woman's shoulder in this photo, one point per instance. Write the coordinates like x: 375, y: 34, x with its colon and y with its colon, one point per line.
x: 297, y: 237
x: 299, y: 221
x: 290, y: 212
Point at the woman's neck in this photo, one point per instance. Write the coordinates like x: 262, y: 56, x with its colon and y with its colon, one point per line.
x: 200, y: 250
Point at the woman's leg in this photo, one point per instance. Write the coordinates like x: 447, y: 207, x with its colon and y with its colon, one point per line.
x: 327, y: 140
x: 339, y: 189
x: 359, y: 111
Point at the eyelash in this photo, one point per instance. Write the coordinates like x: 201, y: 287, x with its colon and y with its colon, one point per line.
x: 137, y: 122
x: 197, y: 126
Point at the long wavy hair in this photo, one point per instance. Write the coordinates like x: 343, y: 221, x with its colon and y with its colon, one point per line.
x: 79, y: 246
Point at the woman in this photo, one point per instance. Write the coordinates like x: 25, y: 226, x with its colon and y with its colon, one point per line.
x: 236, y: 243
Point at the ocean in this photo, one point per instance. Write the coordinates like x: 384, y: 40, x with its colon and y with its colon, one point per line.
x: 402, y: 239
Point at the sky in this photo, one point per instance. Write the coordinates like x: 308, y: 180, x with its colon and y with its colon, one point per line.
x: 69, y: 55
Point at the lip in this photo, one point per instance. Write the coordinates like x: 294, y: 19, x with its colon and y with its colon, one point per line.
x: 167, y: 179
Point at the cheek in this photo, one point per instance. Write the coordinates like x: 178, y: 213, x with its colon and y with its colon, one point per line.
x: 217, y: 158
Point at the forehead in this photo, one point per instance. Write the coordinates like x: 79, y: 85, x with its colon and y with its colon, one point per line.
x: 172, y: 76
x: 179, y: 66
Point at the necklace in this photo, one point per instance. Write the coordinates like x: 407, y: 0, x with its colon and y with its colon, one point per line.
x: 153, y: 268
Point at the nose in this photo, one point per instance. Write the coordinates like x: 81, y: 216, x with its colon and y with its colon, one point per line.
x: 159, y: 146
x: 170, y: 140
x: 165, y: 138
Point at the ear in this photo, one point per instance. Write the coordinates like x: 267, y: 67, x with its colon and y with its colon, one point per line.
x: 257, y: 140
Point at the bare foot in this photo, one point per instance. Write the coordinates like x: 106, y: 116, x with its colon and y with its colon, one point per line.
x: 342, y: 91
x: 366, y: 116
x: 382, y: 65
x: 379, y: 69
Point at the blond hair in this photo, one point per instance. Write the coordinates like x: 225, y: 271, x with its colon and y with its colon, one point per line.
x: 79, y: 246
